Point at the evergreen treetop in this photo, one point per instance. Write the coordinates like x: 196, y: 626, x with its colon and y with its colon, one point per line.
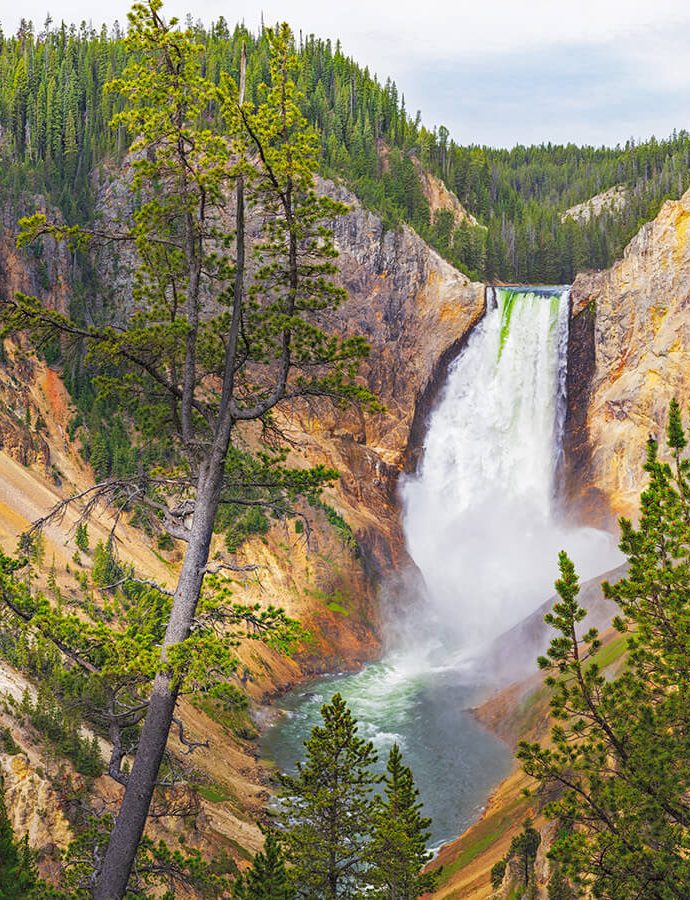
x: 268, y: 878
x: 400, y: 835
x: 326, y: 810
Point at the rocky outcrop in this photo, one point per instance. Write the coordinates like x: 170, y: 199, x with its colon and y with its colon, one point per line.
x: 639, y: 338
x: 440, y: 198
x: 580, y: 500
x: 34, y: 805
x: 41, y: 270
x: 410, y: 305
x: 22, y: 427
x: 612, y: 200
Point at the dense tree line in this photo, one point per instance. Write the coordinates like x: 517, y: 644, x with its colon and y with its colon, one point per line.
x: 54, y: 133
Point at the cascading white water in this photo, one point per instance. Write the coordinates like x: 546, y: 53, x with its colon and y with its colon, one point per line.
x: 479, y: 516
x: 480, y: 525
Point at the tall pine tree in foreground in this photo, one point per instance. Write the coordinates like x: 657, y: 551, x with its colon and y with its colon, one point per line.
x: 268, y: 878
x: 617, y: 763
x: 326, y: 812
x: 212, y: 345
x: 400, y: 834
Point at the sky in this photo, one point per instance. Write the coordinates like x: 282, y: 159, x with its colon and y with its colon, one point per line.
x: 496, y: 72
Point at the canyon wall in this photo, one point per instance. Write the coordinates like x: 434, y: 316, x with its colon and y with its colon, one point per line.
x: 629, y: 355
x: 415, y: 310
x: 412, y: 307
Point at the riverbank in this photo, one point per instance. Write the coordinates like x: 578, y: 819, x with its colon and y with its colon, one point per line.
x: 520, y: 711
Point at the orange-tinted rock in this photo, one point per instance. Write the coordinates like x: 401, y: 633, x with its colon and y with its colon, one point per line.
x: 641, y: 345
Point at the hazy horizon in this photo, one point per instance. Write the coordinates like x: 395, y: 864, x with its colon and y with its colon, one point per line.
x: 588, y: 73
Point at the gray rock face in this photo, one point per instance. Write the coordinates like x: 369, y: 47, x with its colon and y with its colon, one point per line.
x: 414, y: 309
x: 410, y: 305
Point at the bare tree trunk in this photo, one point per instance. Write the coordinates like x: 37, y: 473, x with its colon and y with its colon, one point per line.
x: 131, y: 819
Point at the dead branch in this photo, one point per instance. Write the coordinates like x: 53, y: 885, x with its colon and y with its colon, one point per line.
x: 144, y: 581
x: 230, y: 567
x: 184, y: 740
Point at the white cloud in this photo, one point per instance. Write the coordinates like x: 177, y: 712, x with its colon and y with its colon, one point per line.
x: 442, y: 28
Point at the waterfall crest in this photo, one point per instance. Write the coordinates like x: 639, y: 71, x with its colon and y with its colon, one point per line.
x: 479, y: 516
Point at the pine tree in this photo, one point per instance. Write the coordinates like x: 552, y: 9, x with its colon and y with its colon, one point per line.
x: 267, y: 879
x: 18, y: 874
x: 618, y: 759
x: 524, y: 848
x: 400, y: 833
x: 203, y: 317
x: 100, y: 456
x: 105, y: 569
x: 326, y: 811
x: 81, y: 537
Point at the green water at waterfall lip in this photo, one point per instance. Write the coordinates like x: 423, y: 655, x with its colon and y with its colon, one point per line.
x: 510, y: 296
x: 506, y: 314
x: 455, y: 760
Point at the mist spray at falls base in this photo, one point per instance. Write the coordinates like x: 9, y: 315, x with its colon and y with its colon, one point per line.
x: 482, y: 527
x: 481, y: 519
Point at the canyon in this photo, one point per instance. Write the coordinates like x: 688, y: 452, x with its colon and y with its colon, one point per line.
x: 627, y: 357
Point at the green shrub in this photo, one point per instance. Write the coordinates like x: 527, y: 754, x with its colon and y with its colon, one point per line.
x: 254, y: 521
x: 106, y: 569
x: 333, y: 517
x: 497, y: 873
x: 81, y: 538
x: 50, y: 719
x: 165, y: 542
x: 7, y: 742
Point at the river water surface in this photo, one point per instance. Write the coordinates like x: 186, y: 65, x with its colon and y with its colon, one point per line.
x: 456, y: 762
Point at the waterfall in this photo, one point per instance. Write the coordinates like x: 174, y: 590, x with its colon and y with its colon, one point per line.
x: 479, y: 517
x: 481, y: 525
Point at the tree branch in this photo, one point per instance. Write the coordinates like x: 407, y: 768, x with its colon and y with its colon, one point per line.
x: 184, y: 740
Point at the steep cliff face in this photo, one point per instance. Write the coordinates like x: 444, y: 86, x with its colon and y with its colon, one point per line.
x: 414, y: 309
x: 44, y: 271
x: 631, y: 336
